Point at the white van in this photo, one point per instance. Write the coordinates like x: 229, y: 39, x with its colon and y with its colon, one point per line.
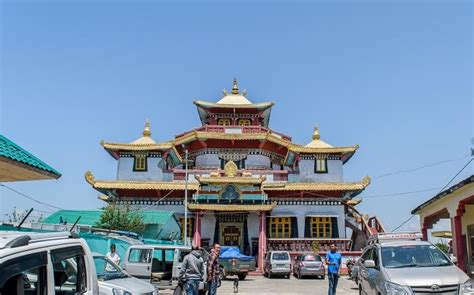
x: 277, y: 263
x: 34, y: 263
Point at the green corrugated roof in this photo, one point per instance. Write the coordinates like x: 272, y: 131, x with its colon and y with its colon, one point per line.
x: 12, y: 151
x: 91, y: 217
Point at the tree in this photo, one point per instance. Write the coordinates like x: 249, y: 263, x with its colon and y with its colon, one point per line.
x: 443, y: 247
x: 114, y: 218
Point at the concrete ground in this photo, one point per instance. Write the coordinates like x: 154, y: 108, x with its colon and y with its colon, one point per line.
x: 262, y: 285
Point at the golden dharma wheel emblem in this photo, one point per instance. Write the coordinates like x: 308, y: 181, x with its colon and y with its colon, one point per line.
x: 230, y: 169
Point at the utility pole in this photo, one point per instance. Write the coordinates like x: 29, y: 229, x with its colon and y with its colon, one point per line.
x: 185, y: 197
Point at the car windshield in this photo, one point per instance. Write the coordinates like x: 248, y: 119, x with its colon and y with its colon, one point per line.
x: 107, y: 270
x: 311, y: 258
x: 413, y: 256
x: 280, y: 256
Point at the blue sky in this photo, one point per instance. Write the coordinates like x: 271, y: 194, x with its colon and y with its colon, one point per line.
x: 394, y: 77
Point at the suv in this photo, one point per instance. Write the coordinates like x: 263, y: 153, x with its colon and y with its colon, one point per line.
x: 35, y: 263
x: 400, y: 264
x: 277, y: 263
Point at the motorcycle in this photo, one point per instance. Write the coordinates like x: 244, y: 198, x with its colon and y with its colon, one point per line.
x: 350, y: 265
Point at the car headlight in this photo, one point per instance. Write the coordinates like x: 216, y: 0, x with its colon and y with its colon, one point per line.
x: 394, y: 289
x: 120, y: 292
x: 467, y: 287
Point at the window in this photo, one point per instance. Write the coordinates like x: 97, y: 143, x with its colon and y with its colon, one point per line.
x: 320, y: 166
x: 280, y: 227
x: 140, y: 256
x: 244, y: 122
x: 223, y: 122
x: 29, y: 270
x: 140, y: 163
x: 70, y: 271
x: 321, y: 227
x: 190, y: 226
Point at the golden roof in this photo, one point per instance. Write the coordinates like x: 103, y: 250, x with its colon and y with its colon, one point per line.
x: 231, y: 208
x: 318, y: 186
x: 235, y: 97
x: 145, y: 139
x: 136, y: 147
x: 317, y: 142
x: 137, y: 185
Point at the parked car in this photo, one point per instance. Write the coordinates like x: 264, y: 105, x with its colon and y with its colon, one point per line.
x: 277, y: 263
x: 232, y: 262
x: 159, y: 264
x: 34, y: 263
x: 113, y: 279
x: 309, y: 265
x: 409, y: 266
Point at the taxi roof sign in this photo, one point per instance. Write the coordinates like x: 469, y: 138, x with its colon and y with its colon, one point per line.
x: 390, y: 237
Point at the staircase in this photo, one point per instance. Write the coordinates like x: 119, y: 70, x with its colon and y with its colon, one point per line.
x: 362, y: 227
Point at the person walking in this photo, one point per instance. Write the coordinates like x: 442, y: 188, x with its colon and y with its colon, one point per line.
x: 192, y: 271
x: 213, y: 269
x: 114, y: 257
x: 333, y: 260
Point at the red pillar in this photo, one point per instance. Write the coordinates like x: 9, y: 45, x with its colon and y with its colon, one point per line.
x: 262, y: 240
x: 197, y: 229
x: 459, y: 244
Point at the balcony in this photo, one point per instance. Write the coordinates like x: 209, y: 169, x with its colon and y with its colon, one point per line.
x: 304, y: 245
x: 272, y: 175
x: 235, y: 129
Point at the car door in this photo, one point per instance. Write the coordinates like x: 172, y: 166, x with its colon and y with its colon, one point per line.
x: 138, y: 262
x: 363, y: 271
x: 373, y: 274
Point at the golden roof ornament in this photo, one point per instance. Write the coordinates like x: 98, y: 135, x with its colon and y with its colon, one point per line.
x: 316, y: 135
x: 147, y: 130
x: 235, y: 87
x: 230, y: 169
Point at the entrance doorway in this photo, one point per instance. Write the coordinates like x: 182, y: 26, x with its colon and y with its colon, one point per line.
x: 231, y: 235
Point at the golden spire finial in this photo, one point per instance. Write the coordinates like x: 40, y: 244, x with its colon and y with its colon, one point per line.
x: 147, y: 130
x: 235, y: 88
x: 316, y: 135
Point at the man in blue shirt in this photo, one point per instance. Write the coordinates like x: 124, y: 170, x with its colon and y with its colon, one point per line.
x: 333, y: 261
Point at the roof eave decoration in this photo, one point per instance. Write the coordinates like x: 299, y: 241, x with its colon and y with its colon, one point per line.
x: 104, y: 185
x: 318, y: 186
x: 444, y: 193
x: 231, y: 208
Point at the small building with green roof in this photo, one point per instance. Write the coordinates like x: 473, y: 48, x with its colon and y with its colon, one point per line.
x: 17, y: 164
x: 158, y: 224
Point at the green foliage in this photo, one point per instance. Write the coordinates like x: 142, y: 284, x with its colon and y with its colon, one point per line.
x: 114, y: 218
x: 443, y: 247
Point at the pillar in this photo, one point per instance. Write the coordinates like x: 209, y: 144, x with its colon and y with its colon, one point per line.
x: 262, y: 240
x: 197, y: 229
x: 459, y: 242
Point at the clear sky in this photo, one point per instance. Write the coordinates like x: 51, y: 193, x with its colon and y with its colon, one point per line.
x: 395, y: 77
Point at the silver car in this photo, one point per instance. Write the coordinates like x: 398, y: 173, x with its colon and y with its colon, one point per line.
x: 277, y: 263
x: 410, y: 267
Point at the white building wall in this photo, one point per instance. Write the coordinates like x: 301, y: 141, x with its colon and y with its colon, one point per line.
x: 306, y: 169
x: 208, y: 161
x: 257, y: 162
x: 154, y: 169
x: 253, y: 226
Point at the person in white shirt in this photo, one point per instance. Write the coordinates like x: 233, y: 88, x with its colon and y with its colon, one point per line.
x: 114, y: 257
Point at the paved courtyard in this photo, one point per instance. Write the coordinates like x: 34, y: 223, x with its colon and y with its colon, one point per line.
x: 261, y: 285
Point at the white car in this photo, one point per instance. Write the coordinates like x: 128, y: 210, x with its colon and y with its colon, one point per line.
x: 33, y: 263
x: 113, y: 280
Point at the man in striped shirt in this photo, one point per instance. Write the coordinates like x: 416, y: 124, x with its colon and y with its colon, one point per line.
x: 213, y: 269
